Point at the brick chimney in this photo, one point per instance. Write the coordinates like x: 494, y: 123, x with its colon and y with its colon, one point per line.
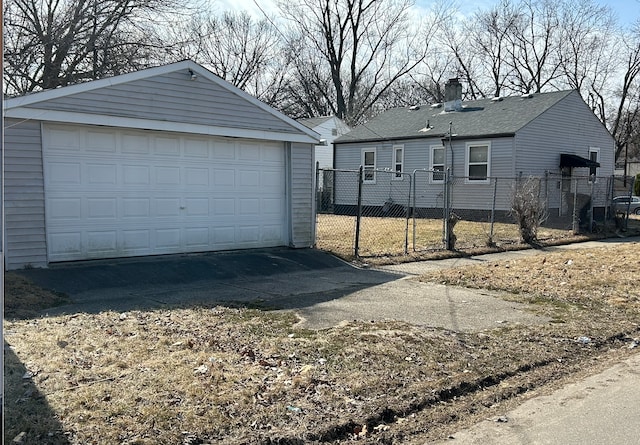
x: 453, y: 95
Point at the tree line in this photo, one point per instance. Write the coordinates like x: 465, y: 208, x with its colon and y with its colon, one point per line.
x: 349, y: 58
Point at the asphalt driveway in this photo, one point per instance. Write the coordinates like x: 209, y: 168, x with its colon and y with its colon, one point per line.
x: 323, y: 290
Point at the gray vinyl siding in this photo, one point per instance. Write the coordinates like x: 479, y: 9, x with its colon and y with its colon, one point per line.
x: 172, y: 97
x: 429, y: 194
x: 24, y: 195
x: 567, y: 127
x: 301, y: 187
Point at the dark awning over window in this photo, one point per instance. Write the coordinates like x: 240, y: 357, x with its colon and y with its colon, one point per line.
x: 567, y: 160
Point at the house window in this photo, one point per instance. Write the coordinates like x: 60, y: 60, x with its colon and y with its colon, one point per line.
x: 437, y: 164
x: 594, y: 155
x: 478, y: 162
x: 398, y: 159
x: 369, y: 165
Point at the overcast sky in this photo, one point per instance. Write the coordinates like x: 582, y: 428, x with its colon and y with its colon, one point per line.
x: 627, y: 10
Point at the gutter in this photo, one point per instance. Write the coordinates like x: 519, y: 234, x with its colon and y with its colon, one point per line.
x: 430, y: 136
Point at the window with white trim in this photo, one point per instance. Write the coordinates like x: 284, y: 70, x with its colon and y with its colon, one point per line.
x: 398, y: 161
x: 478, y: 162
x: 594, y: 155
x: 369, y: 165
x: 436, y: 163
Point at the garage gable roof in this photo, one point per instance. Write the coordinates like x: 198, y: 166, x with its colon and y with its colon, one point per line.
x: 182, y: 96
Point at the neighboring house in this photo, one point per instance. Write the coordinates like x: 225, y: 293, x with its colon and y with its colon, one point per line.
x: 166, y: 160
x: 554, y: 134
x: 329, y: 128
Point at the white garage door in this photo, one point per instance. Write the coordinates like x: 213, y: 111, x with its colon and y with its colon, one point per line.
x: 114, y: 193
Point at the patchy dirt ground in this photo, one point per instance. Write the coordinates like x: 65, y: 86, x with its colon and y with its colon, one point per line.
x: 197, y: 375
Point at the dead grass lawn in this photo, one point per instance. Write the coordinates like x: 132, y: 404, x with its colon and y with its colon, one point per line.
x: 197, y: 375
x: 385, y: 237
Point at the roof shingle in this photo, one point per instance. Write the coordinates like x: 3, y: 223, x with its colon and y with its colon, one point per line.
x: 478, y: 118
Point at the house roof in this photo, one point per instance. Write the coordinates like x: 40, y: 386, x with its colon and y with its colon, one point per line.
x: 192, y: 112
x: 479, y: 118
x: 313, y: 122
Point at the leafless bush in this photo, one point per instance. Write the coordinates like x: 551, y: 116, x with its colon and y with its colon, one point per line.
x: 528, y: 210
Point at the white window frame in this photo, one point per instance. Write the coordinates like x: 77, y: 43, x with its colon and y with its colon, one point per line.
x: 394, y: 164
x: 369, y: 167
x: 597, y: 151
x: 468, y: 164
x: 432, y: 166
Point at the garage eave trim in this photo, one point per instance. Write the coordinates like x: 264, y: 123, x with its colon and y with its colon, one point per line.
x: 147, y: 124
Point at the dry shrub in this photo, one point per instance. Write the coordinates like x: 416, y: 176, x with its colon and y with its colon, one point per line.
x: 528, y: 210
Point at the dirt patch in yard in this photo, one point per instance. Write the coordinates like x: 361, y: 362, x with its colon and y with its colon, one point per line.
x: 196, y: 375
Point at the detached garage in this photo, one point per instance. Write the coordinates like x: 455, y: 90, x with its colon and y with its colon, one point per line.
x: 162, y: 161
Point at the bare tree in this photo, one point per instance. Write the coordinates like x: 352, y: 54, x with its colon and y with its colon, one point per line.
x: 491, y: 32
x: 365, y: 46
x: 243, y: 51
x: 53, y: 43
x: 532, y: 49
x: 626, y: 118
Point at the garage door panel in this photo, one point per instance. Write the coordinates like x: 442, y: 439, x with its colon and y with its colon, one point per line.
x: 101, y: 208
x: 197, y: 237
x: 167, y: 207
x: 160, y: 193
x: 224, y: 236
x: 63, y: 173
x: 166, y: 146
x: 136, y: 175
x: 224, y: 151
x: 64, y: 209
x: 167, y: 176
x: 249, y: 152
x: 197, y: 177
x: 248, y: 234
x: 224, y: 178
x: 249, y: 178
x: 224, y: 206
x: 249, y: 207
x: 101, y: 141
x: 105, y: 174
x: 101, y: 242
x: 196, y: 148
x: 197, y: 206
x: 135, y: 207
x: 63, y: 139
x: 167, y: 238
x: 135, y: 144
x: 136, y: 239
x: 64, y: 244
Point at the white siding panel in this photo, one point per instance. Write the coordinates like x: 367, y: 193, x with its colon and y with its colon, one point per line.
x: 302, y: 212
x: 24, y: 195
x: 173, y: 97
x: 569, y: 127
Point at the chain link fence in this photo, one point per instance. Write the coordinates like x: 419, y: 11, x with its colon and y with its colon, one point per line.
x: 369, y: 213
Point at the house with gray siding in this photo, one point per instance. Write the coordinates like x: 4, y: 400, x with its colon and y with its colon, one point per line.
x: 548, y: 135
x: 329, y: 128
x: 167, y: 160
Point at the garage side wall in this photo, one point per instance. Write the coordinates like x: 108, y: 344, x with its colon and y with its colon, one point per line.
x: 302, y: 173
x: 24, y: 195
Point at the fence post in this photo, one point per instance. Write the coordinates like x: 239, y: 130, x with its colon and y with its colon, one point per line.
x: 493, y: 211
x: 358, y: 212
x: 593, y: 180
x: 576, y: 220
x: 406, y: 226
x: 447, y: 229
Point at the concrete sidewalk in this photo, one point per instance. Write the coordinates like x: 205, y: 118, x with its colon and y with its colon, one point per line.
x: 603, y: 409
